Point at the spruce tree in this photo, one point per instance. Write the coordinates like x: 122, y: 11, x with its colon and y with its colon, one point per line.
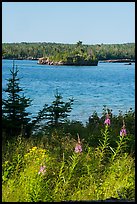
x: 54, y: 114
x: 14, y: 116
x: 59, y: 110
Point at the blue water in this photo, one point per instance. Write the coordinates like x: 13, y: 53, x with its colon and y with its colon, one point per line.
x: 92, y: 87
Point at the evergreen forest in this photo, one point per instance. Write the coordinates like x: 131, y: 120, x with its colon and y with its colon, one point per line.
x: 60, y: 51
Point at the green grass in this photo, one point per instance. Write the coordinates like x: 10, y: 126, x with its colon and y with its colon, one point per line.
x: 95, y: 174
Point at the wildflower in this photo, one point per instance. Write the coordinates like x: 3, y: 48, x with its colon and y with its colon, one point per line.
x: 123, y: 131
x: 78, y: 147
x: 42, y: 170
x: 107, y: 120
x: 34, y: 148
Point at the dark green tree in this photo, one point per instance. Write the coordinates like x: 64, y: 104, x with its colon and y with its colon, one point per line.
x: 14, y: 115
x: 79, y: 43
x: 56, y: 113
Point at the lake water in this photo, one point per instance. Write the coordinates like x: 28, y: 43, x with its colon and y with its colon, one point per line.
x: 92, y: 87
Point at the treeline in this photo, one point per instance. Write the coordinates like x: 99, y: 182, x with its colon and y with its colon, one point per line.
x: 60, y: 51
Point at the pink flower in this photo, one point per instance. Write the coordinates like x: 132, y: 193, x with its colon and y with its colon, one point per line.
x: 78, y: 148
x: 42, y: 170
x: 107, y: 120
x: 123, y: 132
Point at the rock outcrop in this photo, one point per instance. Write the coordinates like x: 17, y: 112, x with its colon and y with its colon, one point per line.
x: 47, y: 61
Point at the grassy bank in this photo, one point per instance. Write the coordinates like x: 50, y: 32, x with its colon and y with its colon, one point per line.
x: 48, y: 167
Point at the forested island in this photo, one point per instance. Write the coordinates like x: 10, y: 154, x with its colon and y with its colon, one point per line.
x: 69, y: 54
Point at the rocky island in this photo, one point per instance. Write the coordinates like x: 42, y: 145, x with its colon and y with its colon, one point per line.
x: 72, y: 61
x: 78, y: 56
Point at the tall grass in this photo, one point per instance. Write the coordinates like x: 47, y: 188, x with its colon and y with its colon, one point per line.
x: 35, y: 170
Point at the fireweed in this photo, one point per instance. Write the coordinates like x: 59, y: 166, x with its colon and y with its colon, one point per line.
x: 42, y: 170
x: 123, y: 130
x: 78, y: 147
x: 107, y: 120
x: 121, y: 143
x: 104, y: 144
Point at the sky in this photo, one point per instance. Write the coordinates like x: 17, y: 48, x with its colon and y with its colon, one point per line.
x: 68, y: 22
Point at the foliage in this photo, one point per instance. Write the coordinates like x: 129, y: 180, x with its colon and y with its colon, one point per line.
x: 41, y: 174
x: 94, y: 126
x: 59, y: 51
x: 77, y: 56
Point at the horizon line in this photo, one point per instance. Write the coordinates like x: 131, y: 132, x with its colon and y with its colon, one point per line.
x: 66, y: 43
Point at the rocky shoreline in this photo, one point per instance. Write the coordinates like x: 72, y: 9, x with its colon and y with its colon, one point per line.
x: 43, y: 60
x: 46, y: 61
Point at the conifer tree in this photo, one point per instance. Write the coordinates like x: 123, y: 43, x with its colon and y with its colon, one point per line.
x: 56, y: 113
x: 14, y: 116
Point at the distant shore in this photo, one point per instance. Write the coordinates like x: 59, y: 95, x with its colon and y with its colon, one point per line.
x: 118, y: 60
x: 103, y: 61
